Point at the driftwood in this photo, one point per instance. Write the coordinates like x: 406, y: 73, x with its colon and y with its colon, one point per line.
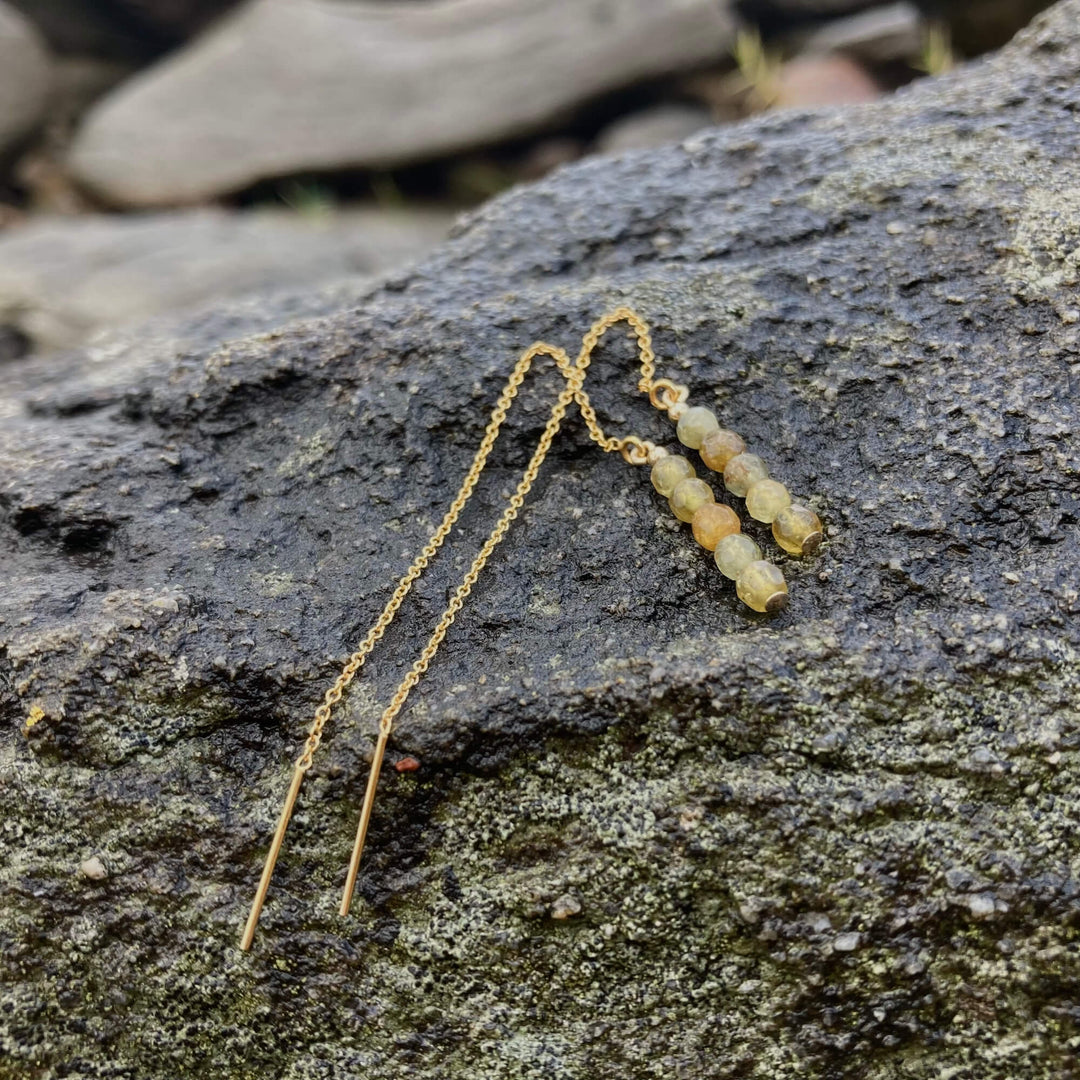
x: 291, y: 85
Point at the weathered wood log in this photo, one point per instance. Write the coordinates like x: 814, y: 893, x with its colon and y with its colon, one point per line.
x: 288, y: 86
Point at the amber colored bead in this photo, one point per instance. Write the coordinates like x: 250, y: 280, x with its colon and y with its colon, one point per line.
x: 712, y: 523
x: 689, y: 496
x: 742, y: 472
x: 734, y: 553
x: 797, y: 530
x: 761, y: 586
x: 668, y: 471
x: 766, y: 499
x: 696, y: 425
x: 719, y: 448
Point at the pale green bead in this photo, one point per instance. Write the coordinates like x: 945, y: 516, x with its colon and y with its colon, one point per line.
x: 689, y: 496
x: 797, y: 530
x: 668, y: 471
x: 766, y: 499
x: 696, y: 425
x: 742, y: 472
x: 761, y: 586
x: 735, y: 552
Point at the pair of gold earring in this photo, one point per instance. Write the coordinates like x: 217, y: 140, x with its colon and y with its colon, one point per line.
x: 759, y: 583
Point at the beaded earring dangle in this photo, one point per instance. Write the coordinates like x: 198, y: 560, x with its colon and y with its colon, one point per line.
x: 758, y: 583
x: 797, y: 529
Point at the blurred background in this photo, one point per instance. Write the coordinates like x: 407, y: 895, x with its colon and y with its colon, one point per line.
x: 157, y: 156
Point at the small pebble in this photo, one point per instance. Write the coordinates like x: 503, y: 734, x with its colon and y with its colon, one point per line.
x: 565, y: 907
x: 847, y: 942
x: 407, y: 764
x: 93, y: 868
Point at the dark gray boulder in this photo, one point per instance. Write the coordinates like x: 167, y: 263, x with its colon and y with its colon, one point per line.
x: 651, y: 833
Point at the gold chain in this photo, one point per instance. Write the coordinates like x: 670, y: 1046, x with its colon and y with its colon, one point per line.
x: 662, y: 394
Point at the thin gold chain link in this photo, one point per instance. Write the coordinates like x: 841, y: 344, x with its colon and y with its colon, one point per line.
x: 574, y: 373
x: 636, y: 451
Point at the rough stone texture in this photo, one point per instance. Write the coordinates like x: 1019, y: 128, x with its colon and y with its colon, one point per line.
x: 293, y: 85
x: 651, y: 834
x: 62, y: 280
x: 24, y: 76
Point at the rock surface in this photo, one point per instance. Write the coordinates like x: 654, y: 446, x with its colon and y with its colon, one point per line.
x: 291, y: 85
x: 650, y: 834
x: 63, y: 280
x: 24, y: 76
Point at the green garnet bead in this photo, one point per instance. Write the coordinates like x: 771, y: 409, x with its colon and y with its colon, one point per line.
x: 689, y: 496
x: 766, y: 499
x: 719, y: 448
x: 734, y: 553
x: 668, y: 471
x: 696, y: 425
x: 712, y: 522
x: 742, y: 472
x: 761, y: 586
x: 797, y: 530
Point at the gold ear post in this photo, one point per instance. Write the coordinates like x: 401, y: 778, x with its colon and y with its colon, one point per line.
x: 271, y: 859
x: 365, y: 817
x: 636, y: 451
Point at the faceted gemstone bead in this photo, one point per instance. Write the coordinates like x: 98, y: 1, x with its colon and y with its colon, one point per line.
x: 797, y: 529
x: 689, y: 496
x: 668, y: 471
x: 761, y: 585
x: 735, y: 552
x: 696, y: 425
x: 719, y: 448
x: 766, y: 499
x: 742, y: 472
x: 712, y: 523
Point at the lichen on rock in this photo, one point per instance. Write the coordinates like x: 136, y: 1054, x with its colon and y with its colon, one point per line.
x: 651, y: 833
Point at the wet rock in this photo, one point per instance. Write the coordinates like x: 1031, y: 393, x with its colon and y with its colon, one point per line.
x: 565, y: 907
x: 290, y: 85
x: 25, y: 76
x: 188, y: 562
x: 64, y: 279
x: 93, y: 869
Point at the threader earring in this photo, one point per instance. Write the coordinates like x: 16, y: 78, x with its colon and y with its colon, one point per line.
x: 759, y: 583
